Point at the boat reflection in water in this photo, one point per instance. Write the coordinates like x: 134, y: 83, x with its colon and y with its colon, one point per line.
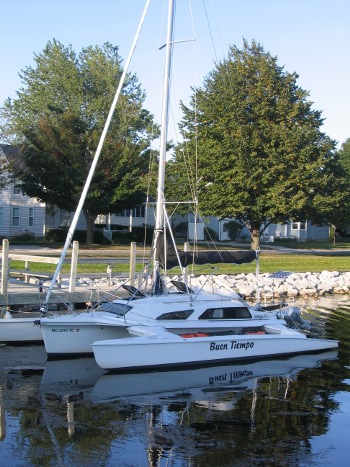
x: 85, y: 375
x: 65, y: 376
x: 202, y: 383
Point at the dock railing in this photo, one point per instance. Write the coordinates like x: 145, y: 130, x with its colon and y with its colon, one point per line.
x: 7, y: 272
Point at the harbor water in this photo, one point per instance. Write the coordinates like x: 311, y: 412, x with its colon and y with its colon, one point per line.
x: 282, y: 412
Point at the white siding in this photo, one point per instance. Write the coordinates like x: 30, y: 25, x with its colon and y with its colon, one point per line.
x: 8, y: 201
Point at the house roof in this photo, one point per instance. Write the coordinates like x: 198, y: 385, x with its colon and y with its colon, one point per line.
x: 9, y: 151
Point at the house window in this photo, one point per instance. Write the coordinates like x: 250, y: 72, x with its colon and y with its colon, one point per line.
x: 298, y: 225
x: 16, y: 189
x: 30, y: 217
x: 1, y: 217
x: 139, y: 211
x: 15, y: 217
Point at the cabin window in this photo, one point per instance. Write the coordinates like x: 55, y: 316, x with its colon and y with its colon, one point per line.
x: 116, y: 308
x: 30, y: 217
x: 1, y: 216
x: 183, y: 314
x: 15, y: 217
x: 226, y: 313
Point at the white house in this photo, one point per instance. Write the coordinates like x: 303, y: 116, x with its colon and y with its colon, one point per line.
x: 299, y: 231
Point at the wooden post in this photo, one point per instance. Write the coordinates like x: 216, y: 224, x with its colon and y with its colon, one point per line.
x: 5, y: 266
x: 26, y: 268
x: 73, y: 266
x: 132, y: 263
x: 109, y: 275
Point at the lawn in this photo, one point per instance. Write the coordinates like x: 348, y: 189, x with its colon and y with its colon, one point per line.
x: 267, y: 263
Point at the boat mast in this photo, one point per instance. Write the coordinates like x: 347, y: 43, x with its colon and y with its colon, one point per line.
x: 159, y: 224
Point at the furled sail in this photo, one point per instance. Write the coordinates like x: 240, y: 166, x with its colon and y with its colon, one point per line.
x: 169, y: 259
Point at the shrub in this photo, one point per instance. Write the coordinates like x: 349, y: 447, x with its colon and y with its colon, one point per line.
x: 233, y: 229
x: 60, y: 235
x: 181, y: 227
x: 210, y: 234
x: 25, y: 236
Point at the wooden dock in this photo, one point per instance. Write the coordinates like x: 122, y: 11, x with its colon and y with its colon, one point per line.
x: 36, y: 299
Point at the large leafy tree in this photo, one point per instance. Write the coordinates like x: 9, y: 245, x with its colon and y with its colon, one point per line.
x: 260, y: 155
x: 344, y: 154
x: 4, y: 167
x: 57, y: 120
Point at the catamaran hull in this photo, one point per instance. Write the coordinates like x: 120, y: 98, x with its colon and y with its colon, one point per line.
x: 71, y: 335
x: 141, y: 353
x: 72, y: 340
x: 20, y: 331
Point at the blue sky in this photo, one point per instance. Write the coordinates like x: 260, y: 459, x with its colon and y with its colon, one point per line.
x: 310, y: 37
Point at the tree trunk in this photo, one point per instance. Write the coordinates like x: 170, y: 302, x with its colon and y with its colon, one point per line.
x: 255, y: 237
x: 90, y: 227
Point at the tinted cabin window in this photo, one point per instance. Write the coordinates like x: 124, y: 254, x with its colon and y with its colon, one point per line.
x: 115, y: 308
x: 184, y: 314
x: 226, y: 313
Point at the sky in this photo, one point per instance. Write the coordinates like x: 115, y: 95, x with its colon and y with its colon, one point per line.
x: 309, y: 37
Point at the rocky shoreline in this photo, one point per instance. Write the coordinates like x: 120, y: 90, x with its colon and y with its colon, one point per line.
x: 282, y: 284
x: 271, y: 286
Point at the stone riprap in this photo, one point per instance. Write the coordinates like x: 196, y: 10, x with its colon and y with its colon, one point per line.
x: 291, y: 285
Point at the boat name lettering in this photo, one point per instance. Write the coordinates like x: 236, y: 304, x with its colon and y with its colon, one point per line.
x: 62, y: 330
x: 214, y: 346
x: 242, y: 345
x: 233, y: 345
x: 217, y: 379
x: 235, y: 375
x: 230, y: 377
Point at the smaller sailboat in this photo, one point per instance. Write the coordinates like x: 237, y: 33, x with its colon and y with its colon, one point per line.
x: 20, y: 330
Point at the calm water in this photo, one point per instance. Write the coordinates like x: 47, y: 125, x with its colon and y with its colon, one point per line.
x: 293, y: 412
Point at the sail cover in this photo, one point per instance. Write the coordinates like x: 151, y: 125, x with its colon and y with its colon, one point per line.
x: 169, y: 258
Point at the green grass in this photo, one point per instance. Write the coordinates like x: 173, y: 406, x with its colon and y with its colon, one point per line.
x: 312, y: 245
x: 267, y: 263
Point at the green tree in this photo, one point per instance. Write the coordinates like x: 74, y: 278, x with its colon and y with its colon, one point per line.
x: 57, y: 120
x: 344, y: 154
x: 260, y: 155
x: 4, y: 166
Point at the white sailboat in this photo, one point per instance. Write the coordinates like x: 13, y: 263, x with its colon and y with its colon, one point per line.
x: 160, y: 316
x: 233, y: 340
